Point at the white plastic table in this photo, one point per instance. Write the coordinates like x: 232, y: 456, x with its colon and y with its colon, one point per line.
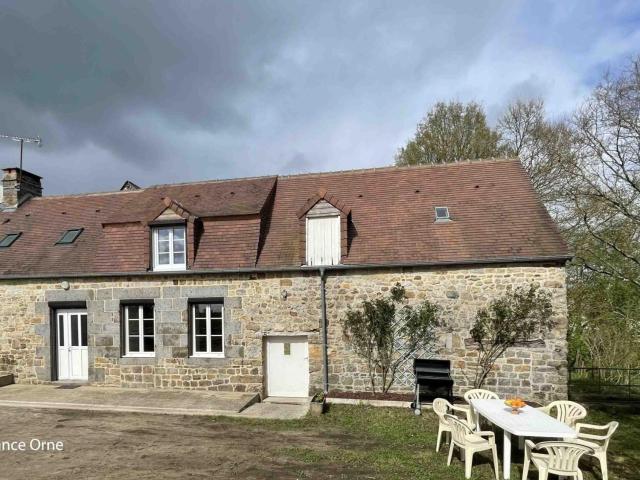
x: 530, y: 422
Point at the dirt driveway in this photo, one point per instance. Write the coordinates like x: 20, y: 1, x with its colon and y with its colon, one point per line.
x: 141, y: 446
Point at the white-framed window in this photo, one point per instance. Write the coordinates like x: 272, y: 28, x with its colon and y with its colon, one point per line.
x: 442, y: 214
x: 207, y: 330
x: 139, y: 325
x: 169, y: 248
x: 323, y: 240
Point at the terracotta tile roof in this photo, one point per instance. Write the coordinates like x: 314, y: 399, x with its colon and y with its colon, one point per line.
x: 496, y: 214
x: 246, y: 223
x: 203, y: 199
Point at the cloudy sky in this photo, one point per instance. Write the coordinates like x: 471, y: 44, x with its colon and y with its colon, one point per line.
x: 172, y: 91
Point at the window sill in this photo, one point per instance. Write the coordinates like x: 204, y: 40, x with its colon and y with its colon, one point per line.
x: 176, y: 268
x: 139, y: 355
x: 208, y: 355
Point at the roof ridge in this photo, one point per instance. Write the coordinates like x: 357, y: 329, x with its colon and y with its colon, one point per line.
x: 218, y: 180
x: 87, y: 194
x: 151, y: 187
x: 457, y: 163
x: 292, y: 175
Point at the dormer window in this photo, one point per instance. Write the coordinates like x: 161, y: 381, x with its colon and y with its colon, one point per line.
x: 169, y: 248
x: 442, y: 214
x: 7, y: 240
x: 323, y: 222
x: 323, y: 239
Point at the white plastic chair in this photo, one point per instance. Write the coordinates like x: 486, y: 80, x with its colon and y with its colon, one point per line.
x: 463, y: 437
x: 442, y: 407
x: 566, y: 411
x: 599, y: 443
x: 560, y: 458
x: 478, y: 394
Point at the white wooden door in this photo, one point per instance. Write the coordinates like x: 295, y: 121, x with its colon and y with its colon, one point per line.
x: 287, y: 366
x: 73, y: 355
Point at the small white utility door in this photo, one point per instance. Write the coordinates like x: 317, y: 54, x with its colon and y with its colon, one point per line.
x: 73, y: 355
x: 287, y: 366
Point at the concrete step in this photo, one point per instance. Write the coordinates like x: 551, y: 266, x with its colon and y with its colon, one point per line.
x: 287, y: 400
x: 276, y: 411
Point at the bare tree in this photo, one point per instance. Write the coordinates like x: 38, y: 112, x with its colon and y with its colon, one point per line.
x: 605, y: 190
x: 543, y: 147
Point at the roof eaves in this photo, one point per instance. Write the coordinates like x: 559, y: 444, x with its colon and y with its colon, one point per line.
x: 343, y: 267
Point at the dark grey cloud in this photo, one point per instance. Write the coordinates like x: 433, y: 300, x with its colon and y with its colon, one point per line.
x: 168, y: 91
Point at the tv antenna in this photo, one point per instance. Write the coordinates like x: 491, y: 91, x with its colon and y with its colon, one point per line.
x: 22, y: 141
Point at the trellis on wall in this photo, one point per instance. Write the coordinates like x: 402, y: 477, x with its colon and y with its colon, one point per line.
x: 404, y: 374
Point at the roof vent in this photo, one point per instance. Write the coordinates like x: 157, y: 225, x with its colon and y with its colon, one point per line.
x: 442, y: 214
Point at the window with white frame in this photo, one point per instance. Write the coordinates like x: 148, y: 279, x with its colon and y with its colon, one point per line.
x: 139, y: 324
x: 442, y: 214
x: 207, y: 329
x: 169, y: 248
x: 323, y: 240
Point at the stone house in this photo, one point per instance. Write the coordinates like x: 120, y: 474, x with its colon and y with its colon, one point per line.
x: 240, y: 285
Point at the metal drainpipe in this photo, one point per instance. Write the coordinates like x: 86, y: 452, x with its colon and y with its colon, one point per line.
x: 325, y: 342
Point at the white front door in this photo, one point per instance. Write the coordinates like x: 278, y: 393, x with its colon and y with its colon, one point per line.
x: 287, y: 366
x: 73, y: 360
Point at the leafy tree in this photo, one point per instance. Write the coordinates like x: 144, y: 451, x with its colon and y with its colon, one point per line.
x: 604, y: 322
x: 508, y: 321
x: 450, y: 132
x: 386, y: 332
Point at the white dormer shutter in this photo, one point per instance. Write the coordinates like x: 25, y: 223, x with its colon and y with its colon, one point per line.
x: 323, y: 240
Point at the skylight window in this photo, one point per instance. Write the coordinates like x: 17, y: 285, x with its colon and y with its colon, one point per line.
x: 70, y: 236
x: 442, y: 214
x: 8, y: 239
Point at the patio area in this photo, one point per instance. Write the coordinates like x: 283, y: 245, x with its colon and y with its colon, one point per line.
x: 153, y: 401
x: 107, y: 399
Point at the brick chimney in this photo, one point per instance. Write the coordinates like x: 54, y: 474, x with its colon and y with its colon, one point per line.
x: 18, y: 186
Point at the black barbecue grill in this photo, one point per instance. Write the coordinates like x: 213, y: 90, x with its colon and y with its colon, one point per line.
x: 433, y: 378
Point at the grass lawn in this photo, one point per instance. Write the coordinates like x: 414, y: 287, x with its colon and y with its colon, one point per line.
x: 387, y: 443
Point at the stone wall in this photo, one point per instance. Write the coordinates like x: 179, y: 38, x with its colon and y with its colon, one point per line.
x: 539, y: 370
x: 254, y: 308
x: 259, y: 305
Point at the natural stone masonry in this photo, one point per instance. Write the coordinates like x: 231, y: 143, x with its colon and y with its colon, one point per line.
x: 537, y: 370
x: 259, y: 305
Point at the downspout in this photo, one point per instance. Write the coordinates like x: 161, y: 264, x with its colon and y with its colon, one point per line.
x: 325, y: 342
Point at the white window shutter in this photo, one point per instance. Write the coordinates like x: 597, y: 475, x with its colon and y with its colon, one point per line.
x: 323, y: 240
